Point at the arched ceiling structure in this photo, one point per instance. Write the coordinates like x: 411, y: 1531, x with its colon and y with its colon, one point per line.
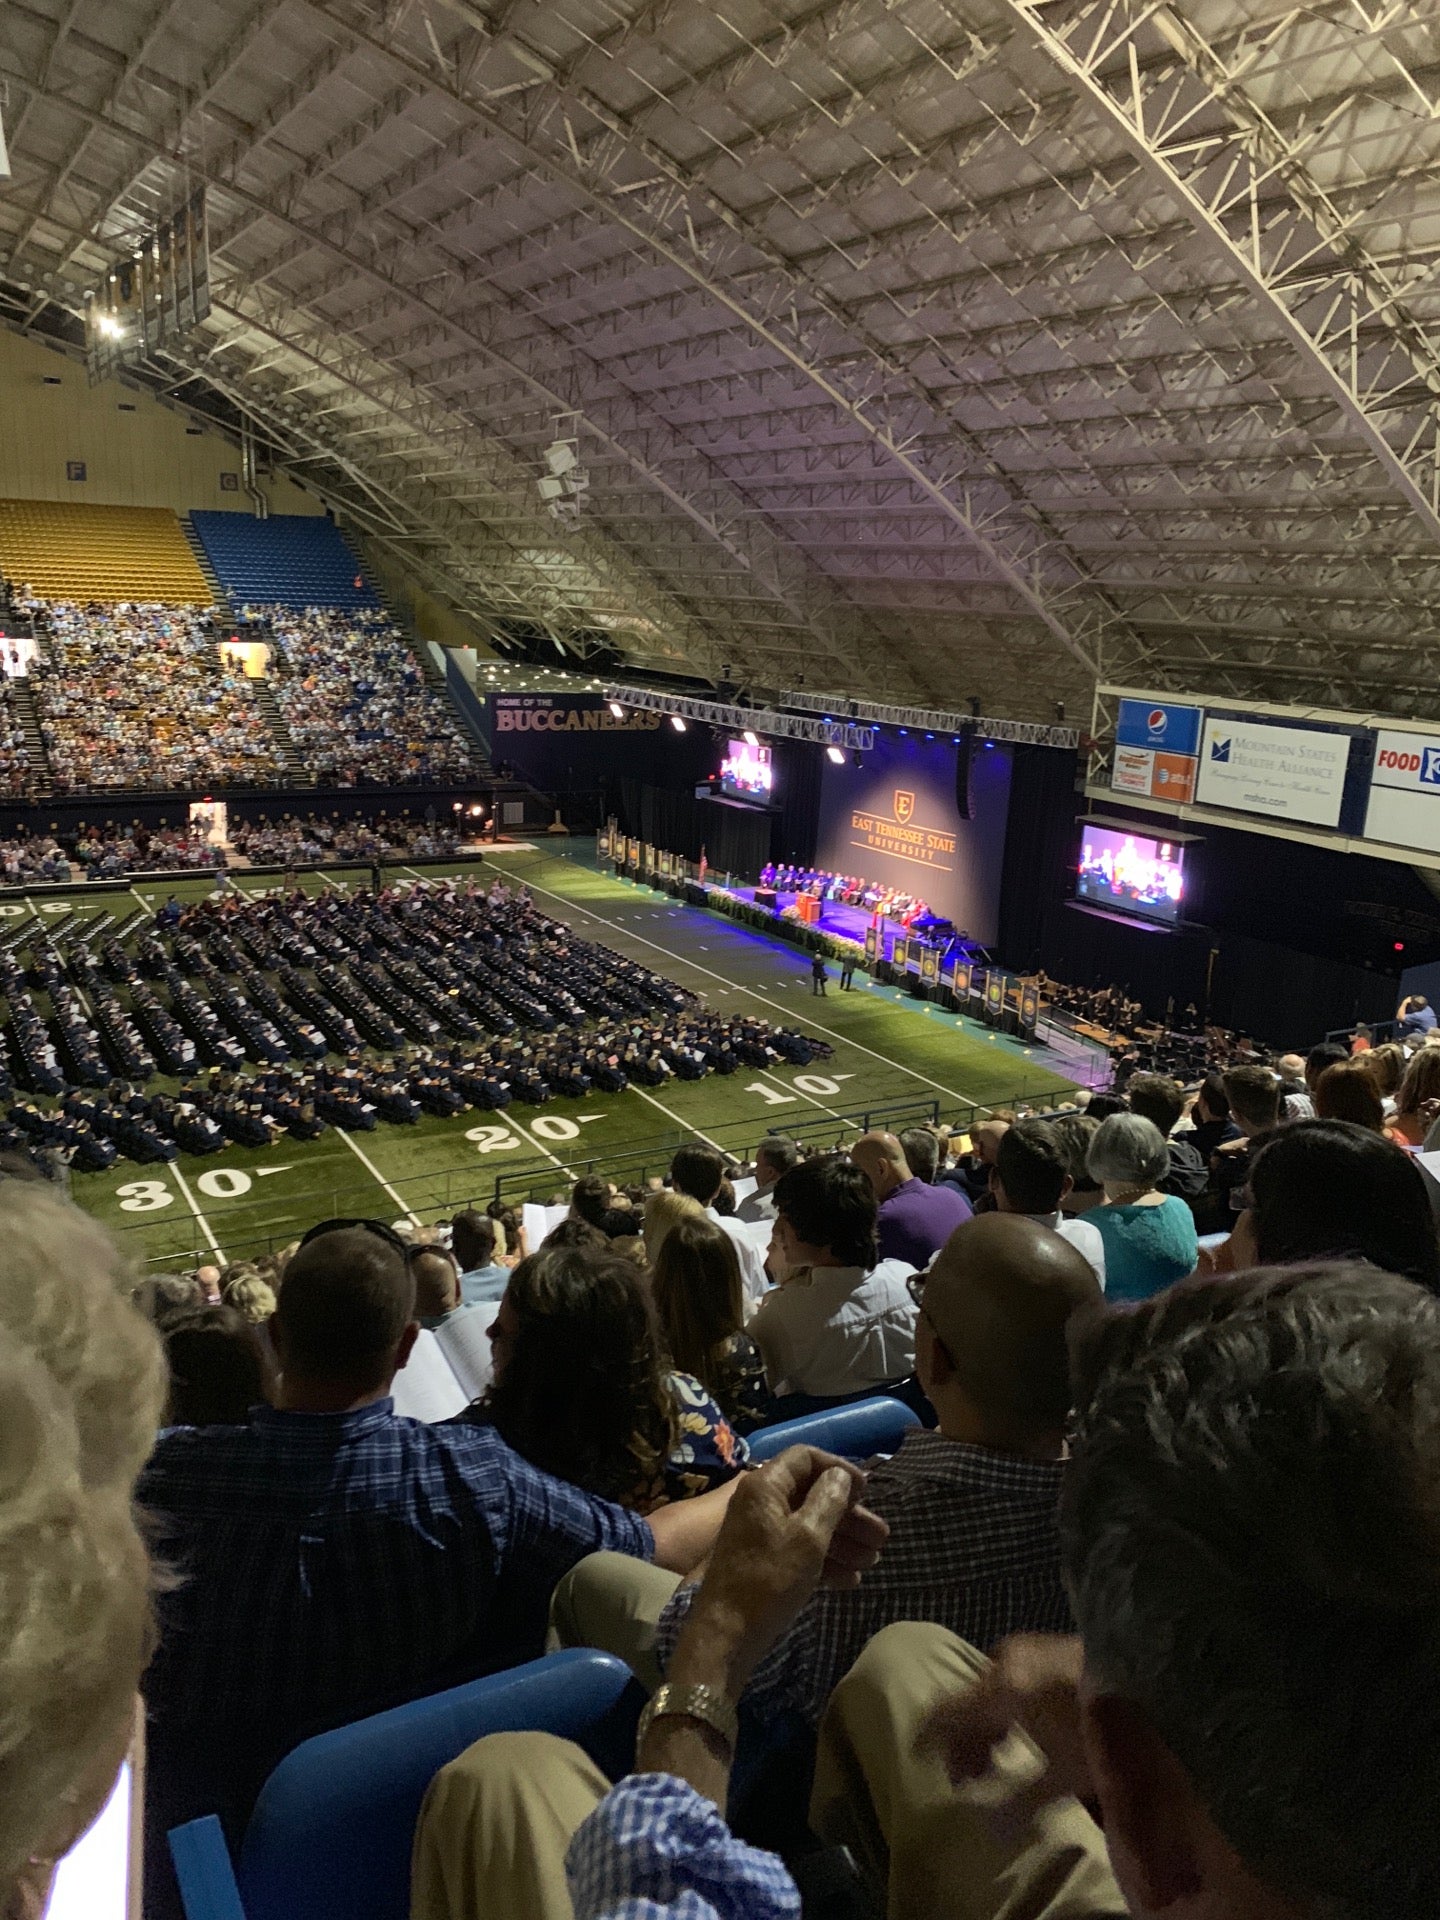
x: 922, y: 348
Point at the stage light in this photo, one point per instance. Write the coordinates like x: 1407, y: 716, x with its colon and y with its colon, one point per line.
x: 677, y: 723
x: 617, y: 709
x: 835, y: 756
x: 904, y: 733
x: 750, y: 739
x: 929, y: 736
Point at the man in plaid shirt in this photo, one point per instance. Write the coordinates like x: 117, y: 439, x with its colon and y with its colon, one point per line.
x: 972, y: 1509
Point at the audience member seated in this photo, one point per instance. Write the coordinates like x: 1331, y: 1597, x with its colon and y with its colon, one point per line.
x: 773, y: 1157
x: 1161, y: 1100
x: 1254, y: 1096
x: 245, y: 1288
x: 1387, y: 1068
x: 701, y: 1303
x: 483, y: 1278
x: 315, y: 839
x: 83, y: 1387
x: 436, y: 1274
x: 698, y: 1172
x: 1347, y: 1091
x: 15, y: 775
x: 915, y: 1220
x: 1418, y: 1099
x: 370, y: 1558
x: 1213, y: 1124
x: 1203, y: 1551
x: 1415, y: 1017
x: 357, y: 705
x: 582, y: 1389
x: 970, y: 1172
x: 921, y: 1148
x: 841, y: 1321
x: 1149, y: 1236
x: 593, y: 1199
x: 1325, y: 1189
x: 136, y: 696
x: 1031, y: 1176
x: 220, y: 1367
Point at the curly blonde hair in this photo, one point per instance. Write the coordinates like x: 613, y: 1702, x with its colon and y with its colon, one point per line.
x: 82, y: 1385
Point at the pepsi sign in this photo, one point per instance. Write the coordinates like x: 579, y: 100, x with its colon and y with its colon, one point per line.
x: 1159, y: 726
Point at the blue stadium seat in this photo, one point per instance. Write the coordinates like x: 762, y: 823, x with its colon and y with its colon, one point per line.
x: 854, y: 1432
x: 331, y: 1834
x: 289, y: 560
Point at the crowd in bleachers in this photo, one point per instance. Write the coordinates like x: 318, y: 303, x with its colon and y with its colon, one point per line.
x: 14, y: 753
x: 356, y: 703
x: 135, y: 697
x: 97, y: 851
x: 404, y: 1459
x: 312, y: 840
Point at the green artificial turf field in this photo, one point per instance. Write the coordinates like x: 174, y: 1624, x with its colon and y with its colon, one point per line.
x: 895, y: 1058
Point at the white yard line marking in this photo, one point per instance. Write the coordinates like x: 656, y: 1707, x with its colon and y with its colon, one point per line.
x: 141, y: 898
x: 799, y: 1093
x: 375, y: 1173
x: 538, y: 1143
x: 194, y: 1206
x: 686, y: 1126
x: 951, y: 1093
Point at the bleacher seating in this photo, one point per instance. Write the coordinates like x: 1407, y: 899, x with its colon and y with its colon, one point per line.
x: 289, y: 560
x: 332, y: 1830
x: 64, y: 550
x: 855, y: 1432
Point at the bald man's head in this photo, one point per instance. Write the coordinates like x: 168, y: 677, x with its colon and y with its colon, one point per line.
x: 881, y: 1158
x: 998, y: 1300
x: 986, y: 1138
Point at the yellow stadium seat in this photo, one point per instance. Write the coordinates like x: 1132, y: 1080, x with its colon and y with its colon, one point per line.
x: 71, y: 551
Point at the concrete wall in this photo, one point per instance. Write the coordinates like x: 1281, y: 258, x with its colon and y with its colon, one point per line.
x: 139, y: 458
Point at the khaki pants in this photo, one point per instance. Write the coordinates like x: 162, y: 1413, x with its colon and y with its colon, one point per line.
x: 497, y: 1821
x: 495, y: 1826
x: 984, y: 1852
x: 614, y: 1602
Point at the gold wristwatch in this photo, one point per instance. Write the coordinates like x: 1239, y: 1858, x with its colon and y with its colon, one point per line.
x: 709, y: 1705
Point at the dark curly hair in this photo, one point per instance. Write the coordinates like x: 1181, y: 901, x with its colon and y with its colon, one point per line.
x: 585, y: 1393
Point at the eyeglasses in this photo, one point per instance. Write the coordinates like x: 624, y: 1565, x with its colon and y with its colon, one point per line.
x: 377, y: 1227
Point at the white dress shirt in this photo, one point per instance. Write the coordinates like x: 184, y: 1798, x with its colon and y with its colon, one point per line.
x: 751, y: 1256
x: 833, y: 1330
x: 1082, y: 1236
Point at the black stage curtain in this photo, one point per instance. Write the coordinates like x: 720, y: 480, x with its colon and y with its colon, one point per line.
x: 1039, y: 844
x: 736, y: 839
x: 799, y: 770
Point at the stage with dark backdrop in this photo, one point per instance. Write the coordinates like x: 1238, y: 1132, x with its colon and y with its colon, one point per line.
x: 891, y: 815
x: 1303, y: 938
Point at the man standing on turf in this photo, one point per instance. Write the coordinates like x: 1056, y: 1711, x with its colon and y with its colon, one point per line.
x: 818, y: 975
x: 847, y: 973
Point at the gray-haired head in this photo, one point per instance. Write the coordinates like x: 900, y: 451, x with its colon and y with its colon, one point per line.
x: 1128, y: 1151
x: 1251, y: 1536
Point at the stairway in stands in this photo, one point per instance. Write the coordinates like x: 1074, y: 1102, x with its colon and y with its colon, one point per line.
x: 26, y: 712
x: 297, y: 773
x: 202, y: 560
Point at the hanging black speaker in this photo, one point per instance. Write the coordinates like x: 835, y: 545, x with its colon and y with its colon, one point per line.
x: 964, y: 761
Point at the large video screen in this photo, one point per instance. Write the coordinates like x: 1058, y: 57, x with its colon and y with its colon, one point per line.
x: 1130, y: 873
x: 746, y: 773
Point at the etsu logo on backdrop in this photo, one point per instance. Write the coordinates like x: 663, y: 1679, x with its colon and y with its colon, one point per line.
x: 904, y: 806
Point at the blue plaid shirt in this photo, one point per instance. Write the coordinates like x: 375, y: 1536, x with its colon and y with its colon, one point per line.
x: 653, y: 1847
x: 332, y: 1564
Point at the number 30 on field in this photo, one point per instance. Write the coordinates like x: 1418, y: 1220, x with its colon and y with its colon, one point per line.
x: 216, y: 1183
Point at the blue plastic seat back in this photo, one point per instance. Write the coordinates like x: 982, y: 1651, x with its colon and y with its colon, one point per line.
x: 331, y: 1834
x: 854, y: 1431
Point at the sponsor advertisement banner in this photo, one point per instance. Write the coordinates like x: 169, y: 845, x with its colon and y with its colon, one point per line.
x: 1287, y: 773
x: 1404, y: 809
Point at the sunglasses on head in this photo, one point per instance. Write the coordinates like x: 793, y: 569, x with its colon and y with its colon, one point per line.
x: 377, y: 1227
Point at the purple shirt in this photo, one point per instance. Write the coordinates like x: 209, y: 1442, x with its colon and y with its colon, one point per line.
x: 916, y: 1221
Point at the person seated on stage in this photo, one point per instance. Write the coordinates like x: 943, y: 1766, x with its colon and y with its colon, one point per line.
x: 1203, y: 1549
x: 915, y: 1220
x: 582, y: 1389
x: 841, y: 1321
x: 698, y: 1171
x: 383, y: 1558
